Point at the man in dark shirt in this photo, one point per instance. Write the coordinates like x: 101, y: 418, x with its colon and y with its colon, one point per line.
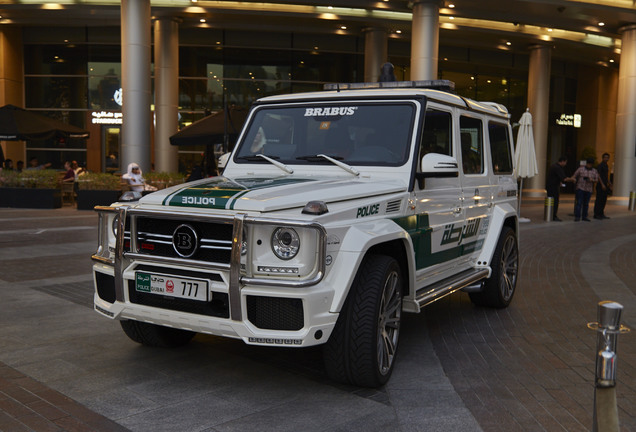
x: 602, y: 188
x: 556, y: 176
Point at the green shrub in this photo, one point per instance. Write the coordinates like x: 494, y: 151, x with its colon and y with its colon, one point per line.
x: 162, y: 180
x: 588, y: 152
x: 98, y: 181
x: 40, y: 179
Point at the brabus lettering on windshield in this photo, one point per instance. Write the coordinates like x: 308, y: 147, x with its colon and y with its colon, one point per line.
x: 329, y: 111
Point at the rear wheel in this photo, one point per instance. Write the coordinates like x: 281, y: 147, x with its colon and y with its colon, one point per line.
x: 363, y: 345
x: 500, y: 286
x: 156, y: 335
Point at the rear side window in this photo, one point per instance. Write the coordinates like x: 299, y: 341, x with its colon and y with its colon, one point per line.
x: 472, y: 145
x: 500, y: 148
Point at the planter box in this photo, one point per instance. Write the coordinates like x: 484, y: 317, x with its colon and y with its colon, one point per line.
x: 87, y: 199
x: 30, y: 198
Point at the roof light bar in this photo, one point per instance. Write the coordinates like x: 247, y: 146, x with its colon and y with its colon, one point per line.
x: 444, y: 85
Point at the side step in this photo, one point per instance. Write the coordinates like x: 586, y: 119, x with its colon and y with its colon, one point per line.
x: 448, y: 286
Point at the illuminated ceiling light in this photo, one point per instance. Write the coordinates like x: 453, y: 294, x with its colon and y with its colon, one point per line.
x: 451, y: 17
x: 398, y: 31
x: 343, y: 27
x: 202, y: 20
x: 611, y: 60
x: 508, y: 43
x: 601, y: 24
x: 549, y: 29
x: 52, y: 6
x: 315, y: 47
x: 451, y: 5
x: 329, y: 7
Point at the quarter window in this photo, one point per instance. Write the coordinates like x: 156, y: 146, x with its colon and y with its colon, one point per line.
x: 500, y: 148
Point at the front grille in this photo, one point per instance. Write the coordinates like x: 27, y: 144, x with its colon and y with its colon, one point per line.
x: 217, y: 307
x: 154, y: 238
x: 275, y: 313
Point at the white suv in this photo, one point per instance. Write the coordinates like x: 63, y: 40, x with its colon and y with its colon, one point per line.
x: 337, y: 212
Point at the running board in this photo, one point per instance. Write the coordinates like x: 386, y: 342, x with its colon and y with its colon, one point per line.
x: 448, y: 286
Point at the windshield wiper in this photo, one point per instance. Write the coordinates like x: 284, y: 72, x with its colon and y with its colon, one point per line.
x: 270, y: 159
x: 333, y: 160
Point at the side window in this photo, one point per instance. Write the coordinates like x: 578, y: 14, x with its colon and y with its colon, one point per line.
x: 500, y: 148
x: 436, y: 134
x: 471, y: 133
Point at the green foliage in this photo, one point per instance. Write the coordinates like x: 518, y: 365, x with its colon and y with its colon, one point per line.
x: 162, y: 180
x: 588, y: 152
x: 99, y: 181
x: 40, y: 179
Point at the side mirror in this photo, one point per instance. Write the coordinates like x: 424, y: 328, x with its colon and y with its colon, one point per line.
x: 435, y: 165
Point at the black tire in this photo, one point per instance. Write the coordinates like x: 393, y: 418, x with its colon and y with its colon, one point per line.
x: 499, y: 288
x: 156, y: 335
x: 363, y: 345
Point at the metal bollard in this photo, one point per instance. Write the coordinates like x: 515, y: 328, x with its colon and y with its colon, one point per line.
x: 608, y: 327
x: 632, y: 201
x: 548, y: 209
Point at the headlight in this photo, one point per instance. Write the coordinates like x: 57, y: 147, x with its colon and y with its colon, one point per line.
x: 285, y: 243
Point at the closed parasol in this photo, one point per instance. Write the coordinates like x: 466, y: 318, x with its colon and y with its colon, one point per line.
x: 525, y: 157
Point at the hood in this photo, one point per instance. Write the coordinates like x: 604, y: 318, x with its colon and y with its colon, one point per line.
x: 268, y: 194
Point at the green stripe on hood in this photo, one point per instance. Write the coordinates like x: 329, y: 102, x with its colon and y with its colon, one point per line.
x: 222, y: 192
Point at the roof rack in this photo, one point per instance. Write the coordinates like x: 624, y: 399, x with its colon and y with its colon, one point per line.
x: 444, y: 85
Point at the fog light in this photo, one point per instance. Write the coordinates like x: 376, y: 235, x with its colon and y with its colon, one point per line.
x: 281, y: 270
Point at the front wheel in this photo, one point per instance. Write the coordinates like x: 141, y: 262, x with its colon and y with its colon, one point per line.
x: 156, y: 335
x: 500, y: 286
x: 363, y: 345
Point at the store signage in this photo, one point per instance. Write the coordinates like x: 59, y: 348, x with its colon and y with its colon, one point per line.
x: 569, y: 120
x: 107, y: 117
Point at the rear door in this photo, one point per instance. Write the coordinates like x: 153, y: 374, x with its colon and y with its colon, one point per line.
x: 477, y: 191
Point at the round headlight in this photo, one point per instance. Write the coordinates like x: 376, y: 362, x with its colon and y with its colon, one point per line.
x: 285, y: 243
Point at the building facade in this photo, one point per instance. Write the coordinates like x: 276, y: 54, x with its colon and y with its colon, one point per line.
x: 204, y: 56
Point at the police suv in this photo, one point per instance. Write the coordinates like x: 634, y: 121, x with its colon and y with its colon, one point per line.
x: 337, y: 212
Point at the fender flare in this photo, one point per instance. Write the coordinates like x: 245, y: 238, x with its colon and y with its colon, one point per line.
x: 501, y: 214
x: 360, y: 238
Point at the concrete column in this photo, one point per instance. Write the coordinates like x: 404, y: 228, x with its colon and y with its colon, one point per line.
x: 539, y: 104
x: 425, y: 40
x: 625, y: 163
x: 137, y: 97
x: 375, y: 52
x: 166, y: 93
x: 12, y: 82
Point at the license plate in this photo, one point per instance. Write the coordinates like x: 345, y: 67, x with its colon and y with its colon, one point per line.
x: 194, y: 289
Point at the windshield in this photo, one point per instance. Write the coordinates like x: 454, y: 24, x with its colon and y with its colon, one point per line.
x: 355, y: 133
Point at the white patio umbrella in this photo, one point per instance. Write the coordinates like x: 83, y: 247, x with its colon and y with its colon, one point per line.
x: 525, y: 157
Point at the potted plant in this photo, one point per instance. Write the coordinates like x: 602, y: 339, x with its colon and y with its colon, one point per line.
x: 30, y: 189
x: 162, y: 180
x: 97, y: 189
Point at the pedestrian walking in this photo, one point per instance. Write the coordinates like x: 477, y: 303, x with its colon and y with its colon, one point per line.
x: 556, y: 177
x: 603, y: 188
x: 585, y: 177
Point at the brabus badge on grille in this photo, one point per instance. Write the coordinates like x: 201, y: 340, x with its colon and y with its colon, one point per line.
x: 185, y: 241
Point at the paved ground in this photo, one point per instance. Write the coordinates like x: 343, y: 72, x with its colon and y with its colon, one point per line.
x: 461, y: 368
